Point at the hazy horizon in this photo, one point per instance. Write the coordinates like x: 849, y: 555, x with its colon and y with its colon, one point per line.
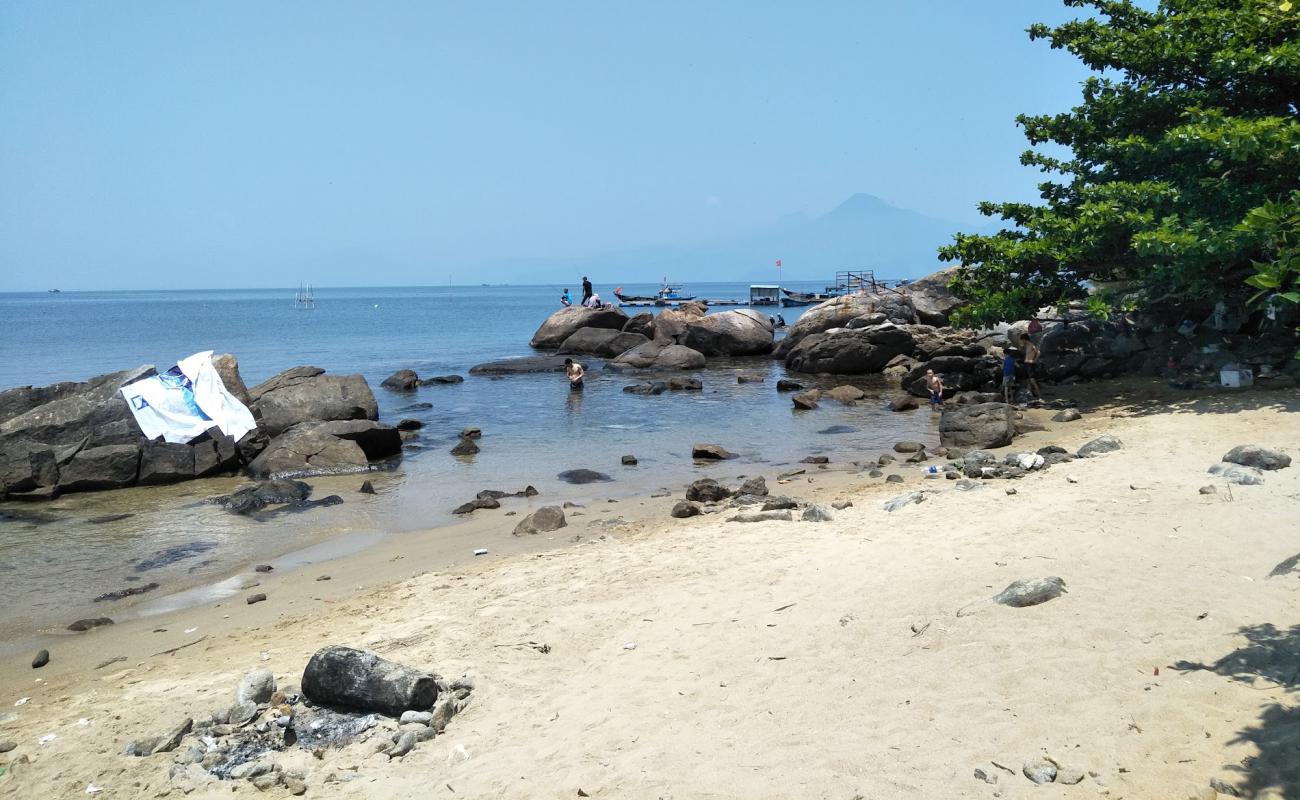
x: 250, y: 146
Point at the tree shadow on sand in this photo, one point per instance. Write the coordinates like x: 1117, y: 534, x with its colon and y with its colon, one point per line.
x: 1140, y: 399
x: 1269, y: 661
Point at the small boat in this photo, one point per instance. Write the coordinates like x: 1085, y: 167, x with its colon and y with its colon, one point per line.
x: 54, y: 291
x: 668, y: 293
x: 793, y: 298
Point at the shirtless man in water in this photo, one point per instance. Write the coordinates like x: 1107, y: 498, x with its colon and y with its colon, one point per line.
x: 575, y: 372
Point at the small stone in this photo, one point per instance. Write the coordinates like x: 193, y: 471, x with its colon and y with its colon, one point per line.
x: 817, y: 513
x: 1039, y: 771
x: 816, y: 460
x: 1068, y: 415
x: 89, y: 623
x: 840, y: 505
x: 42, y: 658
x: 1211, y: 489
x: 1102, y: 444
x: 1030, y: 592
x: 684, y: 508
x: 629, y: 461
x: 7, y: 746
x: 296, y: 786
x: 1069, y: 776
x: 405, y: 743
x: 764, y: 516
x: 255, y: 687
x: 367, y: 488
x: 465, y: 447
x: 1236, y: 473
x: 1011, y: 490
x: 1257, y: 456
x: 322, y: 577
x: 894, y: 478
x: 1224, y: 788
x: 263, y: 568
x: 418, y: 717
x: 267, y: 781
x: 255, y: 598
x: 711, y: 452
x: 987, y: 777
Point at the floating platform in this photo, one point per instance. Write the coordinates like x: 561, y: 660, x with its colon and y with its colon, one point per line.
x: 675, y: 303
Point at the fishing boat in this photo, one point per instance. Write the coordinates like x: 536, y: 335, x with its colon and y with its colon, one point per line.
x: 667, y: 294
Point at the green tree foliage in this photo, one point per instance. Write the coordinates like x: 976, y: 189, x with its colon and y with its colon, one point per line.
x: 1184, y: 167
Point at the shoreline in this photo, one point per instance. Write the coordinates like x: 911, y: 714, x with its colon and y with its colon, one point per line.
x: 400, y: 600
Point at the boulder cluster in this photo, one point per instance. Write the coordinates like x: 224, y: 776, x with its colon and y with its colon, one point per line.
x: 82, y: 436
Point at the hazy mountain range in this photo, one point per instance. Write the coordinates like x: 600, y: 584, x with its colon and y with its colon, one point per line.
x: 862, y: 232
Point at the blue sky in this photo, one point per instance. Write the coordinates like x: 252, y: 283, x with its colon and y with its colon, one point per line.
x: 233, y: 144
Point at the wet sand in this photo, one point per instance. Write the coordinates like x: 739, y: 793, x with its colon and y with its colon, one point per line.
x: 777, y: 659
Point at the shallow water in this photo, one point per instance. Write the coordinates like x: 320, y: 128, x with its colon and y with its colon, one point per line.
x: 54, y: 560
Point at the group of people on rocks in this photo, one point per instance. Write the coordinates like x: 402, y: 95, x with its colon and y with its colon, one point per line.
x: 589, y: 298
x: 1023, y: 349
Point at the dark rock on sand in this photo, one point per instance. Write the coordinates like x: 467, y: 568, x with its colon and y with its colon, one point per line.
x: 1068, y: 415
x: 685, y: 508
x: 815, y: 460
x: 711, y: 452
x: 707, y: 490
x: 982, y: 425
x: 404, y: 380
x: 1039, y: 770
x: 476, y: 504
x: 581, y: 476
x: 543, y: 520
x: 42, y: 658
x: 361, y: 680
x: 89, y: 623
x: 1030, y: 592
x: 254, y: 498
x: 164, y: 743
x: 779, y: 502
x: 1238, y: 474
x: 763, y: 516
x: 124, y: 593
x: 755, y: 486
x: 908, y: 447
x: 817, y: 513
x: 1257, y: 456
x: 1105, y: 443
x: 255, y: 598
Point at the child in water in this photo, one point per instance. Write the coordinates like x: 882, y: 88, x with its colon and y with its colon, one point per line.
x: 574, y: 371
x: 935, y: 384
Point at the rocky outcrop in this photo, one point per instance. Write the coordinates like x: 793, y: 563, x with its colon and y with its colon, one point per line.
x: 602, y: 342
x: 404, y: 380
x: 839, y: 311
x: 850, y: 351
x: 307, y: 394
x: 930, y: 296
x: 671, y: 324
x: 978, y: 426
x: 322, y: 448
x: 659, y: 354
x: 567, y: 321
x: 643, y: 323
x: 959, y: 374
x: 520, y: 366
x: 743, y: 332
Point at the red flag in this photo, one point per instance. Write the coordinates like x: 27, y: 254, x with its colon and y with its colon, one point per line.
x: 778, y: 262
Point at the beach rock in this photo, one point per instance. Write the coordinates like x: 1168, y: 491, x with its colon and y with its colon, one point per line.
x: 987, y: 777
x: 712, y: 452
x: 1039, y: 770
x: 122, y: 594
x: 520, y: 366
x: 848, y: 395
x: 1068, y: 415
x: 628, y: 461
x: 581, y: 476
x: 815, y: 460
x: 7, y: 746
x: 659, y: 354
x: 867, y: 320
x: 742, y: 332
x: 850, y: 351
x: 543, y: 520
x: 416, y: 718
x: 404, y: 380
x: 806, y: 400
x: 255, y: 497
x: 319, y: 448
x: 839, y: 311
x: 567, y: 321
x: 840, y: 505
x: 658, y: 387
x: 255, y: 687
x: 930, y: 296
x: 361, y: 680
x: 904, y: 403
x: 465, y: 446
x: 903, y: 501
x: 165, y: 462
x: 683, y: 384
x: 253, y: 599
x: 893, y: 477
x: 89, y: 623
x: 960, y: 373
x: 817, y: 513
x: 670, y: 325
x: 1030, y: 592
x: 307, y: 394
x: 786, y: 385
x: 98, y: 468
x: 643, y: 323
x: 1105, y: 443
x: 755, y: 486
x: 601, y: 342
x: 42, y: 658
x: 409, y: 425
x: 707, y: 490
x: 1068, y: 776
x: 165, y: 743
x: 982, y: 425
x: 908, y: 447
x: 764, y: 516
x: 471, y: 432
x: 684, y: 508
x: 1238, y: 474
x: 1257, y: 456
x: 442, y: 380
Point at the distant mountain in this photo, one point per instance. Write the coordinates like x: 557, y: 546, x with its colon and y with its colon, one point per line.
x: 862, y: 232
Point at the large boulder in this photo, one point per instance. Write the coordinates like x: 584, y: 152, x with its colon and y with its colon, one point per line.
x: 643, y: 323
x: 742, y: 332
x: 659, y: 354
x: 307, y: 394
x: 89, y: 414
x: 839, y: 311
x: 166, y: 462
x: 603, y: 342
x: 112, y: 466
x: 323, y: 448
x: 978, y: 426
x: 848, y: 351
x: 526, y: 365
x: 404, y: 380
x: 930, y: 296
x: 1258, y: 456
x: 227, y: 366
x: 543, y: 520
x: 567, y: 321
x: 361, y: 680
x: 959, y: 374
x: 671, y: 323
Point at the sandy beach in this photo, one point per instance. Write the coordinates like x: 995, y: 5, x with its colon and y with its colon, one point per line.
x: 708, y: 658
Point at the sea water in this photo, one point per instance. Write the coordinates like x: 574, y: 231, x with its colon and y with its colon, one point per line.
x: 56, y: 557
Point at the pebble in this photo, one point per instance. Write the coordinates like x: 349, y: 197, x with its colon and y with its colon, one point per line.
x: 1011, y: 490
x: 405, y: 743
x: 1039, y: 771
x: 893, y: 478
x: 840, y: 505
x: 42, y: 658
x: 263, y: 568
x: 1208, y: 490
x: 255, y: 598
x: 1069, y: 776
x: 322, y: 577
x: 296, y: 786
x: 6, y: 746
x: 422, y: 717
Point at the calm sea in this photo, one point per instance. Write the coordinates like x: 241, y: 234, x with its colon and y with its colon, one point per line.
x: 53, y: 559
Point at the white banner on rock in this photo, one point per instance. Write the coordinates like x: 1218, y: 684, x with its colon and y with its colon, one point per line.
x: 186, y: 400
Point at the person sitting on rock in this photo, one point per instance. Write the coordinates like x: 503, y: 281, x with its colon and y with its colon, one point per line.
x: 565, y: 300
x: 575, y: 373
x: 935, y: 384
x: 595, y: 302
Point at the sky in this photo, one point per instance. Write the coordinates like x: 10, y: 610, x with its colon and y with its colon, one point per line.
x: 250, y: 144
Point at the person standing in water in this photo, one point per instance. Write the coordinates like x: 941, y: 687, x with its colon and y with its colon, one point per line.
x: 574, y: 371
x: 586, y: 290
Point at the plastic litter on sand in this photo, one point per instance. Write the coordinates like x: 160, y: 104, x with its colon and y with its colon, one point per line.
x: 482, y: 551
